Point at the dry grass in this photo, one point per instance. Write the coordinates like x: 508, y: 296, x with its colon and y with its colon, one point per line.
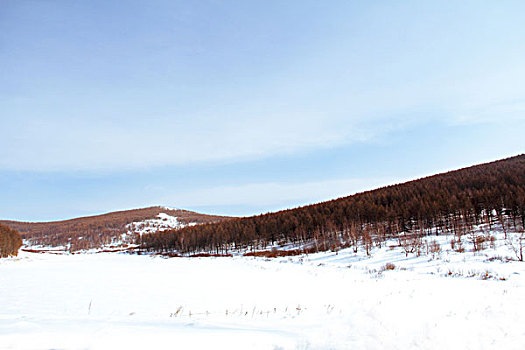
x: 207, y: 255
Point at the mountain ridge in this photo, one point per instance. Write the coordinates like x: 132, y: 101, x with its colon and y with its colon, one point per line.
x: 96, y: 231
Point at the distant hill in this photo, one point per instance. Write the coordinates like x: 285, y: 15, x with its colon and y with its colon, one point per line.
x: 117, y: 228
x: 452, y: 202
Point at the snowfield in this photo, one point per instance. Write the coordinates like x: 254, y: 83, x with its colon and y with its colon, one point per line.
x: 320, y: 301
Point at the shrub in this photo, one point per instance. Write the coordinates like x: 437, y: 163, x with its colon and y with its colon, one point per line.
x: 434, y: 248
x: 492, y: 241
x: 457, y: 246
x: 390, y: 266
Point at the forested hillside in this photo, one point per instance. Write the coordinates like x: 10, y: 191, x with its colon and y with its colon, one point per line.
x: 452, y: 202
x: 10, y: 242
x: 97, y: 231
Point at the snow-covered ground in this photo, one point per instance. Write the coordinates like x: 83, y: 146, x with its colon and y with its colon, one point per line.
x: 321, y: 301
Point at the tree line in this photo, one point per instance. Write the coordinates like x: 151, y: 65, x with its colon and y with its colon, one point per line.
x: 452, y: 202
x: 10, y: 241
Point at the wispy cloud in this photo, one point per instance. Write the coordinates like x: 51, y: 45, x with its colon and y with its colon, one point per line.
x: 93, y: 144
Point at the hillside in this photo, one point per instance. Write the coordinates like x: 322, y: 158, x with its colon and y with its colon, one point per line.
x: 121, y: 227
x: 448, y: 203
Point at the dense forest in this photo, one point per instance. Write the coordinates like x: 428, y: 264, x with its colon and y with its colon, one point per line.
x: 10, y: 242
x: 452, y: 202
x: 97, y: 231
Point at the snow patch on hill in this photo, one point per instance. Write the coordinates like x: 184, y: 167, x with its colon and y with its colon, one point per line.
x: 163, y: 222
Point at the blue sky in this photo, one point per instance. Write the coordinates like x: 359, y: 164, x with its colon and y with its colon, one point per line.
x: 239, y: 108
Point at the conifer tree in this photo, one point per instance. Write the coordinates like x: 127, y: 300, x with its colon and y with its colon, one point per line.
x: 10, y: 242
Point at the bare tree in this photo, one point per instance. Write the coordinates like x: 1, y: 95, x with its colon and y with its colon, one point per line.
x: 367, y: 240
x: 515, y: 242
x: 411, y: 243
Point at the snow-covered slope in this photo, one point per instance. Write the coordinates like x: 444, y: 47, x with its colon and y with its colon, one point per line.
x: 163, y: 222
x: 343, y: 300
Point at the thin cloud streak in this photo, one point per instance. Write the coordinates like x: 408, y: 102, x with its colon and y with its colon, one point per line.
x: 196, y: 91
